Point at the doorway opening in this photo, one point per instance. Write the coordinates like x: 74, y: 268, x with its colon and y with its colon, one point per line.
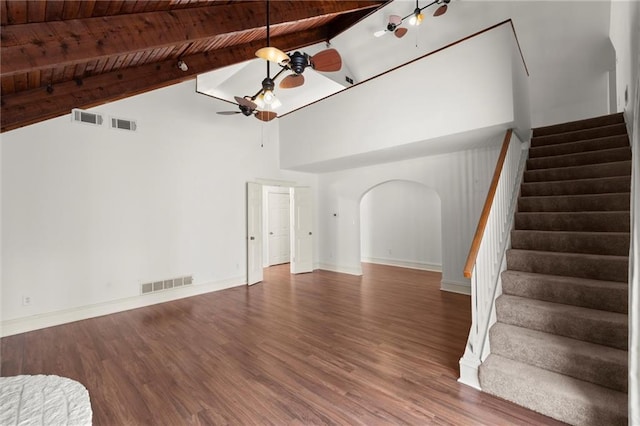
x: 270, y: 225
x: 276, y: 233
x: 401, y: 225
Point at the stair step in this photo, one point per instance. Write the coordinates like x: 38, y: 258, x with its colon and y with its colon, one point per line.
x: 598, y: 364
x: 609, y: 296
x: 601, y: 221
x: 580, y: 158
x: 571, y: 126
x: 615, y: 168
x: 578, y: 135
x: 589, y: 325
x: 607, y: 243
x: 580, y: 186
x: 564, y: 398
x: 617, y: 141
x: 590, y: 266
x: 575, y: 203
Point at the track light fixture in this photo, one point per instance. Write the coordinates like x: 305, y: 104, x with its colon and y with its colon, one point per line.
x: 415, y: 18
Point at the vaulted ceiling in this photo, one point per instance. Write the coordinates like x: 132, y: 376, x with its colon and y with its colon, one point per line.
x: 58, y: 55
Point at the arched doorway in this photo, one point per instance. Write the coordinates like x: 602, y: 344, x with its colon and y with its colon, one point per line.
x: 400, y: 225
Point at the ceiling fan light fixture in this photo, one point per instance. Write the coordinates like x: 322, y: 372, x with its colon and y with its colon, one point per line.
x: 273, y: 54
x: 417, y: 17
x: 379, y: 33
x: 268, y: 97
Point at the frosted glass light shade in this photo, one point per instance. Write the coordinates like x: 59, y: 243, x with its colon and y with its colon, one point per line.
x: 273, y: 54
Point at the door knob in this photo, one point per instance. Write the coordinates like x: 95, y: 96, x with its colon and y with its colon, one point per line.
x: 252, y: 238
x: 310, y: 233
x: 270, y: 233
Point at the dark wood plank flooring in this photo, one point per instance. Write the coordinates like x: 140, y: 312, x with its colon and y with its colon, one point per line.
x: 320, y: 348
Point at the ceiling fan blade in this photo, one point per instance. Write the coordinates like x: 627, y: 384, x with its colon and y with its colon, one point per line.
x: 228, y: 112
x: 291, y: 81
x: 327, y: 61
x: 245, y: 102
x: 266, y: 115
x: 400, y: 32
x: 395, y: 20
x: 273, y: 54
x: 441, y: 10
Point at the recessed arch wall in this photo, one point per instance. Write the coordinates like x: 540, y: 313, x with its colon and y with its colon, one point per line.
x: 461, y: 180
x: 400, y: 225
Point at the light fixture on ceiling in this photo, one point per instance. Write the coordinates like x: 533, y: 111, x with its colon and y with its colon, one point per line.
x: 327, y: 60
x: 183, y: 65
x: 415, y: 18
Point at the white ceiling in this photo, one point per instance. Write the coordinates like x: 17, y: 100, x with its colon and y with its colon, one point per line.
x: 565, y: 45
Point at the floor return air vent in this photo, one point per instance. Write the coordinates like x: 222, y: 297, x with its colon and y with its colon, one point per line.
x: 155, y: 286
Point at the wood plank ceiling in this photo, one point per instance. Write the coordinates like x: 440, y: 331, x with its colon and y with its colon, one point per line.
x: 57, y: 55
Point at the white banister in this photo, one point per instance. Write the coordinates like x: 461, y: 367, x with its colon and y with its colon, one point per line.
x: 487, y: 256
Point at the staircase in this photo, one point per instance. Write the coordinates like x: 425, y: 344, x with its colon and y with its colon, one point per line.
x: 559, y: 345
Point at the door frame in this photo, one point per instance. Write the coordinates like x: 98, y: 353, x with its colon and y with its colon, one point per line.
x: 263, y: 183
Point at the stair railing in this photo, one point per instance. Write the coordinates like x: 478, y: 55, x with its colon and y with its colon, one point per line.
x: 487, y: 256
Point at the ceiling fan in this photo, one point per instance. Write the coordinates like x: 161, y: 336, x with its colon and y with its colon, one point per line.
x: 328, y: 60
x: 415, y: 18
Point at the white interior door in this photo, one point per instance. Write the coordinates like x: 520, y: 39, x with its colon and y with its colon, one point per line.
x: 278, y: 227
x: 254, y: 233
x: 302, y: 237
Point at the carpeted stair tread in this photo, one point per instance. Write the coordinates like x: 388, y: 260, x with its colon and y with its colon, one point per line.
x: 578, y: 135
x: 602, y: 295
x: 562, y: 397
x: 580, y: 158
x: 590, y: 325
x: 598, y: 364
x: 608, y: 142
x: 575, y: 203
x: 605, y: 221
x: 615, y: 168
x: 579, y: 186
x: 608, y: 243
x: 604, y: 120
x: 592, y: 266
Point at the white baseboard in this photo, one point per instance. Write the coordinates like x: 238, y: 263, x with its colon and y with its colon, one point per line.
x: 455, y: 287
x: 404, y: 263
x: 351, y: 270
x: 36, y: 322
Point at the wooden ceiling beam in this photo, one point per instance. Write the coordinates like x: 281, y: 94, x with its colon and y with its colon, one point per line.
x: 33, y: 46
x: 31, y: 106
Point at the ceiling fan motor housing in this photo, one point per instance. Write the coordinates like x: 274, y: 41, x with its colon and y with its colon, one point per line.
x: 299, y: 61
x: 268, y: 84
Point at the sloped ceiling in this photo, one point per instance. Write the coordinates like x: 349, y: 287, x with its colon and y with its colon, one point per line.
x: 58, y: 55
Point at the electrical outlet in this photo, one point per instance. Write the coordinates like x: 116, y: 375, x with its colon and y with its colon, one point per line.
x: 26, y: 300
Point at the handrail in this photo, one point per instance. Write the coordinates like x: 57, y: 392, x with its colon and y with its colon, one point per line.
x: 482, y: 223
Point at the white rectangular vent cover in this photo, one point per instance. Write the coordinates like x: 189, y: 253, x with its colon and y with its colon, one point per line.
x: 86, y: 117
x: 122, y: 124
x: 160, y: 285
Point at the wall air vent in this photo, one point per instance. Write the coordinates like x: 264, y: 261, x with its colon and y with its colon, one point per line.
x: 122, y: 124
x: 155, y: 286
x: 86, y: 117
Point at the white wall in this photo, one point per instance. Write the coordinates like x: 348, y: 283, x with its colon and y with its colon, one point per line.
x: 461, y: 180
x: 400, y: 225
x: 466, y: 87
x: 89, y: 213
x: 625, y: 36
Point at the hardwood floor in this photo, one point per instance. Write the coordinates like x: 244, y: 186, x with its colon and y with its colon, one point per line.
x: 320, y: 348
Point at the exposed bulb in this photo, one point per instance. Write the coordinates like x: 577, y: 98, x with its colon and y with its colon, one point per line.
x: 417, y: 17
x: 268, y: 97
x: 380, y: 33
